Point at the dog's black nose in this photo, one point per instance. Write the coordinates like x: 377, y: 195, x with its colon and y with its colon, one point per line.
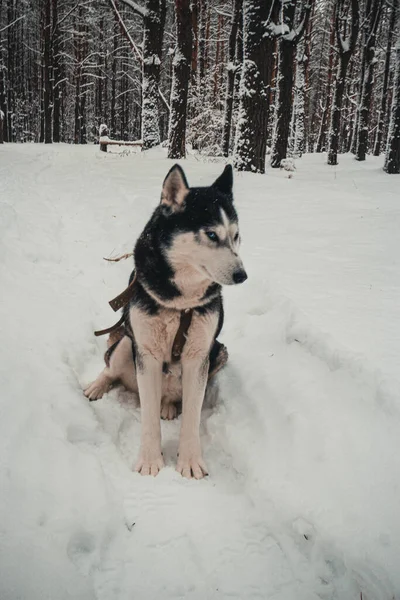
x: 239, y: 276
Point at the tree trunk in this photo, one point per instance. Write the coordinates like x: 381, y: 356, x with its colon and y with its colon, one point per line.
x: 78, y: 74
x: 202, y: 39
x: 1, y: 126
x: 367, y: 83
x: 286, y: 54
x: 231, y: 70
x: 346, y: 49
x: 251, y: 133
x: 322, y: 135
x: 154, y: 22
x: 336, y: 110
x: 3, y: 101
x: 283, y: 101
x: 180, y: 80
x: 195, y: 41
x: 392, y: 159
x: 47, y: 107
x: 11, y: 53
x: 383, y: 102
x: 114, y: 79
x: 299, y: 121
x: 56, y: 75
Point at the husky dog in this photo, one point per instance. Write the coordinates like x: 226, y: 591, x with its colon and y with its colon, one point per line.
x: 187, y: 251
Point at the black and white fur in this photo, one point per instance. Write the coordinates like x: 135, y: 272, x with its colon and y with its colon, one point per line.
x: 187, y: 251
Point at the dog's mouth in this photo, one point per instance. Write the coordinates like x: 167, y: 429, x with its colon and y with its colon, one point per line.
x: 207, y: 272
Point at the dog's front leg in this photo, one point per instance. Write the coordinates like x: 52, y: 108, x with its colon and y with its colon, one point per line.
x: 194, y: 380
x: 149, y: 378
x: 195, y: 365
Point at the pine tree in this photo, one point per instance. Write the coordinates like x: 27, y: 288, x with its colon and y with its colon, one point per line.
x: 383, y: 102
x: 374, y: 10
x: 251, y: 133
x: 180, y: 80
x: 153, y: 14
x: 392, y: 159
x: 231, y: 70
x: 346, y: 47
x: 289, y: 36
x: 47, y: 68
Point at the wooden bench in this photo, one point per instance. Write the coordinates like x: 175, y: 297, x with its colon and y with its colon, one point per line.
x: 105, y: 141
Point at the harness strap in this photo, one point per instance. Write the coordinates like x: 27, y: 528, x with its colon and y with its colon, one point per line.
x: 122, y: 300
x: 181, y: 334
x: 110, y: 329
x: 116, y: 303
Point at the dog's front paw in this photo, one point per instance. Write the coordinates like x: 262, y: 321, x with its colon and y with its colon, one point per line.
x: 150, y: 462
x: 190, y: 462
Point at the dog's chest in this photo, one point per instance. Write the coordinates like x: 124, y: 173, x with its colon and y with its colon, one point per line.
x: 155, y: 333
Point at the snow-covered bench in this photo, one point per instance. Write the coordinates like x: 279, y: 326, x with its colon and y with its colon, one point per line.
x: 105, y: 141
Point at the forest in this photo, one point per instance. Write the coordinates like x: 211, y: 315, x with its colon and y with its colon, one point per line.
x: 259, y: 80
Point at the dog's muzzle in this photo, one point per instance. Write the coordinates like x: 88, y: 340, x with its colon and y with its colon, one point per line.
x: 239, y: 276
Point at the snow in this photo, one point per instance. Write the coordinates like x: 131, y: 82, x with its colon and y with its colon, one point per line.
x: 301, y: 438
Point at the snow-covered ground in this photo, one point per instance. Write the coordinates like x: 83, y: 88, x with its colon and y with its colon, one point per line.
x: 303, y: 498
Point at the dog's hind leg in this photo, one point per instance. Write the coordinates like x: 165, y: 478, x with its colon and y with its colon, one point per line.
x: 120, y: 367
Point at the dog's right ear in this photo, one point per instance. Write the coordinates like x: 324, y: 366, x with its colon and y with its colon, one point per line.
x: 175, y: 189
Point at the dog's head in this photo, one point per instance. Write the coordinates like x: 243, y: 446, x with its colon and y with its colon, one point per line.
x: 203, y: 226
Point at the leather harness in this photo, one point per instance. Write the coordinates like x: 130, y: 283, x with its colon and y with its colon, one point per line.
x: 123, y: 299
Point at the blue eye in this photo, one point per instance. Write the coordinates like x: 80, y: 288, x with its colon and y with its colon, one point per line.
x: 212, y: 236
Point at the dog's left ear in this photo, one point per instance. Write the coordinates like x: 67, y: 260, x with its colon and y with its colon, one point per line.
x: 175, y: 189
x: 224, y: 183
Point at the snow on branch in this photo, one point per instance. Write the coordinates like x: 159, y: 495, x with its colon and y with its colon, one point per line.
x: 139, y: 10
x: 13, y: 23
x: 125, y: 31
x: 347, y: 45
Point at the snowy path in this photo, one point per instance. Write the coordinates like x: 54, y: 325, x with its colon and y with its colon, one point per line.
x: 301, y: 439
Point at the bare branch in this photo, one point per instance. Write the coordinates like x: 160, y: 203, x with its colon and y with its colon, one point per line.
x: 13, y: 23
x: 126, y: 32
x: 139, y: 10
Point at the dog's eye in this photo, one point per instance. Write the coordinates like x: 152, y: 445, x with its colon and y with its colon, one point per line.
x: 212, y: 236
x: 236, y: 237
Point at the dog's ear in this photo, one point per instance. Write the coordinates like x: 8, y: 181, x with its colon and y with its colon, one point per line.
x: 175, y: 189
x: 224, y: 183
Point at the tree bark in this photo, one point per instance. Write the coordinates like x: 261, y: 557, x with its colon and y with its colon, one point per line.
x: 251, y: 132
x: 346, y: 49
x: 337, y: 109
x: 392, y: 159
x: 367, y: 84
x: 299, y: 116
x: 383, y: 102
x: 283, y: 102
x: 180, y: 80
x: 154, y: 22
x: 11, y: 53
x: 56, y: 74
x: 3, y: 100
x: 47, y: 106
x: 231, y: 70
x: 1, y: 127
x: 322, y: 135
x: 202, y: 39
x: 284, y: 99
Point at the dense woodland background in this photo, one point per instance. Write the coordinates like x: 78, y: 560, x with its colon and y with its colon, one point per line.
x: 247, y: 78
